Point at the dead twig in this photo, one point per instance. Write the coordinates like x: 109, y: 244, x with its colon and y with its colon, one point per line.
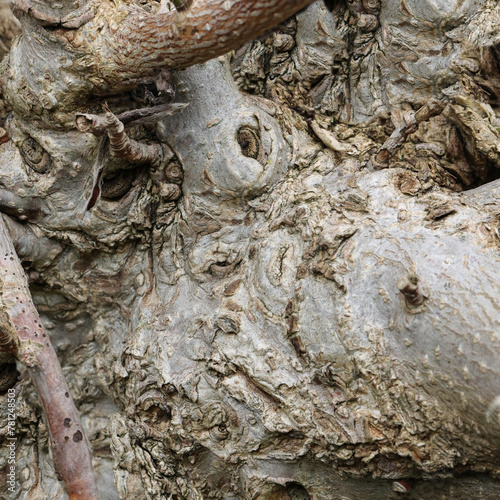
x: 407, y: 126
x: 97, y: 125
x: 120, y: 144
x: 329, y: 139
x: 22, y: 334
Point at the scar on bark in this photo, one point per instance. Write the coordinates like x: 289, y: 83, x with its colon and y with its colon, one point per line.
x: 75, y: 19
x: 22, y: 334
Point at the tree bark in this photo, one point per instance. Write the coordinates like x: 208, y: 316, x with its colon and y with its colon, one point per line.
x: 273, y: 275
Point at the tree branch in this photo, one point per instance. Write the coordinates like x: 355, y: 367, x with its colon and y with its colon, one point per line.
x: 22, y: 333
x: 120, y: 144
x: 132, y: 46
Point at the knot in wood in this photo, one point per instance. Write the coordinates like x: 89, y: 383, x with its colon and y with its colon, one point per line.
x: 35, y: 156
x: 409, y: 287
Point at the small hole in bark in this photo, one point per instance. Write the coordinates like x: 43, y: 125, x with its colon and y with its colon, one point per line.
x: 157, y: 415
x: 35, y: 156
x: 77, y: 436
x: 182, y: 5
x: 219, y: 432
x: 297, y: 492
x: 249, y: 141
x: 67, y: 422
x: 144, y: 93
x: 139, y: 93
x: 222, y: 268
x: 117, y: 184
x: 170, y: 388
x: 95, y: 196
x: 8, y: 376
x: 471, y: 168
x: 490, y: 173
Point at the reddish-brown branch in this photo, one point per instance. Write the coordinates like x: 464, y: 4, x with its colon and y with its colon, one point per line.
x: 122, y: 146
x: 135, y: 45
x: 22, y: 333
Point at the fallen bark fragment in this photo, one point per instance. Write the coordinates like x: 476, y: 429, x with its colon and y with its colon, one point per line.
x: 22, y: 333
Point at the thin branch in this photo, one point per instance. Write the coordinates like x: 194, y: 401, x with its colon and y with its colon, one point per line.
x: 30, y: 244
x: 329, y: 139
x: 142, y: 116
x: 120, y: 144
x: 97, y: 125
x: 22, y: 333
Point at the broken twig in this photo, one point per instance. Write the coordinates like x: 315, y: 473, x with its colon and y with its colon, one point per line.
x: 407, y: 126
x: 329, y: 139
x: 97, y: 125
x: 120, y: 144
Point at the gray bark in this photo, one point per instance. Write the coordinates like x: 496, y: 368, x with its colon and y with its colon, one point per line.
x: 299, y: 319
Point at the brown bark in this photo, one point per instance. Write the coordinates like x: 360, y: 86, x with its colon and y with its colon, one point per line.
x: 136, y: 44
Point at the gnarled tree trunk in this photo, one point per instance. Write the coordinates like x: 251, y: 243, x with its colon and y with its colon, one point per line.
x: 269, y: 275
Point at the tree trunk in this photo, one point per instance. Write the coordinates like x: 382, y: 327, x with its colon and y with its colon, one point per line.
x: 272, y: 275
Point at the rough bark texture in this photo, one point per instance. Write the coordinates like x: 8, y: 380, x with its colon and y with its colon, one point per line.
x: 23, y: 335
x: 269, y: 307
